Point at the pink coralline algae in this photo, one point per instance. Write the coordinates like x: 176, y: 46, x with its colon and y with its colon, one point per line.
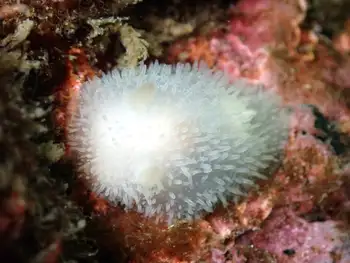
x: 242, y: 52
x: 243, y: 49
x: 237, y: 60
x: 292, y: 239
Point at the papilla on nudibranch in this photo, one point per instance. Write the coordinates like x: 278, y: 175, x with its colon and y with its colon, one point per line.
x: 174, y: 141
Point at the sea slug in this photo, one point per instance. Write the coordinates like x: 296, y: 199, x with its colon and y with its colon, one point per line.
x: 173, y: 141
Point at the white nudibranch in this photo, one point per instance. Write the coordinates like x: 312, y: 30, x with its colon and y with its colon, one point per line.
x: 173, y: 141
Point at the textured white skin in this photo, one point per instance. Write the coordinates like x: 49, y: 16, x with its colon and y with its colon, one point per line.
x: 174, y: 140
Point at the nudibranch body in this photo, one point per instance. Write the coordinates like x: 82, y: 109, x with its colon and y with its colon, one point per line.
x: 173, y: 141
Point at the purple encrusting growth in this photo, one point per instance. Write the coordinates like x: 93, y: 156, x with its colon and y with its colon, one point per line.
x: 174, y: 140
